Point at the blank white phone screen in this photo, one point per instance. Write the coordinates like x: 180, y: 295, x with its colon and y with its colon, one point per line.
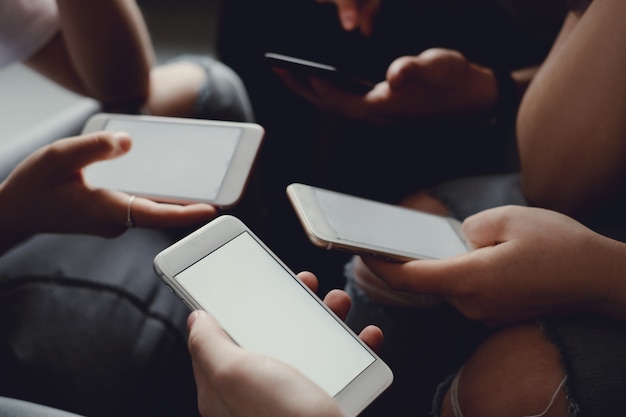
x: 377, y: 224
x: 264, y: 309
x: 169, y: 159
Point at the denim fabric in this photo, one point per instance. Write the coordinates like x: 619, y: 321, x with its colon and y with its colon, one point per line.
x: 223, y: 95
x: 593, y: 352
x: 471, y: 195
x: 87, y: 326
x: 422, y: 347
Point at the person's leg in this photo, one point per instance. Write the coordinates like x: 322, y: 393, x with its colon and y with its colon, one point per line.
x: 422, y: 346
x: 516, y: 372
x: 199, y: 87
x: 87, y: 326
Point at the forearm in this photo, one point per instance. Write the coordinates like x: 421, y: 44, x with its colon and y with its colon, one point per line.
x: 571, y: 129
x: 103, y: 51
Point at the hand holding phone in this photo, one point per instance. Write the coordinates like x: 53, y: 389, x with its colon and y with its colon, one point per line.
x: 178, y: 160
x: 265, y: 387
x: 225, y: 269
x: 341, y: 79
x: 334, y: 220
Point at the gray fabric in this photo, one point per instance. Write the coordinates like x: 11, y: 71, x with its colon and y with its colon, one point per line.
x: 593, y: 353
x: 422, y: 347
x: 124, y: 263
x: 87, y: 326
x: 468, y: 196
x: 10, y: 407
x: 223, y: 95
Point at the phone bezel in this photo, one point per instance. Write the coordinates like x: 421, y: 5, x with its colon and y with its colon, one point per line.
x: 236, y: 176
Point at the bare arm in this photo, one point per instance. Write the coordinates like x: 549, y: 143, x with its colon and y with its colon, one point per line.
x: 103, y: 50
x: 571, y: 124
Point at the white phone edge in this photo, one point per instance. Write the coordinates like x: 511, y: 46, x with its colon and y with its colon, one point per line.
x: 374, y: 380
x: 320, y: 232
x: 233, y: 184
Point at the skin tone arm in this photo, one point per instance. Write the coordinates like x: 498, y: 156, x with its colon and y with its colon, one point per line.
x: 529, y: 263
x: 46, y: 193
x: 234, y: 382
x: 103, y: 50
x: 571, y: 129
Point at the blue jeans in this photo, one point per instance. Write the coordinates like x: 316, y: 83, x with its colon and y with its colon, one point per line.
x: 87, y: 326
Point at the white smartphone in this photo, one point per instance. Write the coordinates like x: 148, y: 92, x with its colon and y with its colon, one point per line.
x: 178, y: 160
x: 334, y: 220
x: 225, y: 269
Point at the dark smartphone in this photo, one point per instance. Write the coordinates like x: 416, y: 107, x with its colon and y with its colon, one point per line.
x: 349, y: 82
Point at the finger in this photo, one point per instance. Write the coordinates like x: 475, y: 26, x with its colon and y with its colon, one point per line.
x: 426, y: 276
x: 151, y: 214
x: 73, y: 154
x: 373, y: 337
x: 403, y: 72
x: 426, y: 201
x: 208, y: 344
x: 339, y: 302
x: 369, y: 10
x: 348, y: 12
x: 309, y: 279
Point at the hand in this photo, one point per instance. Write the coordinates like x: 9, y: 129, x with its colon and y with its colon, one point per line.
x: 356, y: 14
x: 437, y: 84
x: 47, y: 193
x: 528, y: 263
x: 234, y: 382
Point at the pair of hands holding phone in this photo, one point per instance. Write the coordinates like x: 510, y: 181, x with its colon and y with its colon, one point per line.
x: 46, y: 193
x: 232, y: 381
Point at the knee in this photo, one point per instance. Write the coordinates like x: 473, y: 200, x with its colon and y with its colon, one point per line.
x: 227, y: 95
x: 516, y: 372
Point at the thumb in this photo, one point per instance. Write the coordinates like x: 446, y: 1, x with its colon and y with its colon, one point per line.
x: 348, y: 14
x: 73, y: 154
x: 208, y: 343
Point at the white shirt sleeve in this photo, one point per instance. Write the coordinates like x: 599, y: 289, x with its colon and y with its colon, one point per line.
x: 25, y: 26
